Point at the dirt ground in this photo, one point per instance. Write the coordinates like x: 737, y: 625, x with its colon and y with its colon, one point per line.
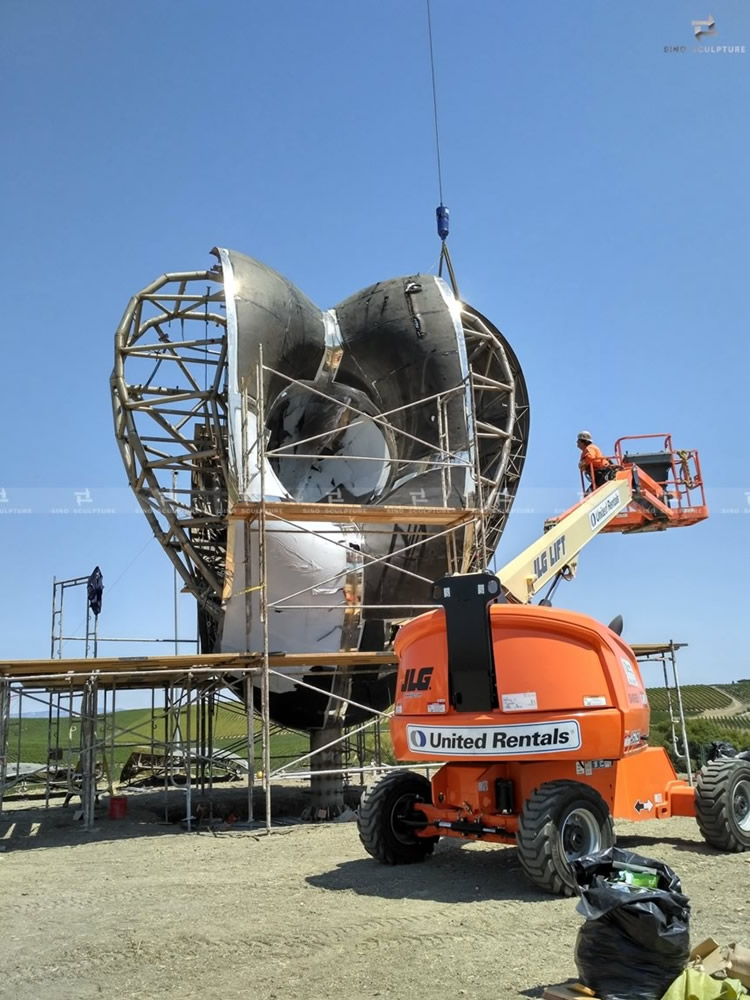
x: 136, y: 910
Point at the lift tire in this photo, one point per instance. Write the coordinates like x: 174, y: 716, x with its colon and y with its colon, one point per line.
x: 379, y: 809
x: 722, y: 803
x: 561, y: 821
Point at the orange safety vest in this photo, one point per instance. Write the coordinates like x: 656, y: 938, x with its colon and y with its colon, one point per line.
x: 591, y: 456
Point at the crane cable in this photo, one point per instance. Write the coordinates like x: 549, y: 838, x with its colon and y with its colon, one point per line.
x: 434, y: 103
x: 442, y: 213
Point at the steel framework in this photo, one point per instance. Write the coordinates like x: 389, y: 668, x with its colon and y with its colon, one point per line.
x: 172, y: 430
x: 171, y: 388
x: 170, y: 400
x: 83, y: 736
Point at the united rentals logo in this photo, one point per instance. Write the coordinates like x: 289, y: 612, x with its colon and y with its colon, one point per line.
x: 495, y: 741
x: 604, y: 510
x: 705, y: 29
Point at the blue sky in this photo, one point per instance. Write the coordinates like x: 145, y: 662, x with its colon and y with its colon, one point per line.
x: 599, y: 207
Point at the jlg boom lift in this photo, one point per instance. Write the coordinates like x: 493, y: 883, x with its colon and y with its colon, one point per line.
x: 540, y: 714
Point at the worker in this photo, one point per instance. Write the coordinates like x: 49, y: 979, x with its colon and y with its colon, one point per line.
x: 593, y: 462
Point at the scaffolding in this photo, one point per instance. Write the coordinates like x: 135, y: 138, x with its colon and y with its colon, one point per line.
x: 666, y: 655
x: 84, y: 693
x: 174, y: 436
x: 172, y: 398
x: 85, y: 744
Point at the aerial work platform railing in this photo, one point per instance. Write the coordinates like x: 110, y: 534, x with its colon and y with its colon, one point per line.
x: 666, y: 485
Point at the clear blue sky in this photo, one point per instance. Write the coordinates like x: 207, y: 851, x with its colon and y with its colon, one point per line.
x: 599, y: 201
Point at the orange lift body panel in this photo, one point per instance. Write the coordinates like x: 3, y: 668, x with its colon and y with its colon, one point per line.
x: 570, y: 705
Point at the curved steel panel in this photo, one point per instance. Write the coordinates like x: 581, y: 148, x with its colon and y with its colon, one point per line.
x: 398, y: 395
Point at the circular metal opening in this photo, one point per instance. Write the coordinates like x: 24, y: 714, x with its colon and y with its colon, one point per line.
x: 741, y: 804
x: 580, y: 834
x: 333, y: 447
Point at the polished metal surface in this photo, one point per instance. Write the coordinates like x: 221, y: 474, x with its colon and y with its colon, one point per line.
x: 230, y: 382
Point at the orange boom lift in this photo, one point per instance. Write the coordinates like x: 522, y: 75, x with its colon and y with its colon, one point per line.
x: 540, y: 714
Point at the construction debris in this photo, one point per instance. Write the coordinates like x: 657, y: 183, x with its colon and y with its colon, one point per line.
x: 713, y: 959
x: 695, y: 985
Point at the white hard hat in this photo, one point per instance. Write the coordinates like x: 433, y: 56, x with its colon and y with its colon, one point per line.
x: 584, y: 436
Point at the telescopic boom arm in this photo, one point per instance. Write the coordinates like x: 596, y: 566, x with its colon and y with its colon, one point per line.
x: 558, y: 548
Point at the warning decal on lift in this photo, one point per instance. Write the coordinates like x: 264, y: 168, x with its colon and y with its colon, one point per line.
x: 523, y: 701
x: 627, y: 666
x: 589, y: 766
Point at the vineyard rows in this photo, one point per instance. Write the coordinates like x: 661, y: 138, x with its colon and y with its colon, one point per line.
x: 739, y: 690
x: 135, y: 727
x: 696, y: 698
x: 730, y: 722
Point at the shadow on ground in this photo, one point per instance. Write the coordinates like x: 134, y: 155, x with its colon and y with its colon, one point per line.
x: 28, y: 825
x: 456, y: 873
x: 643, y: 842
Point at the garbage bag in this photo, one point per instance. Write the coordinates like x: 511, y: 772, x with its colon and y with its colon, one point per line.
x: 720, y: 748
x: 635, y: 941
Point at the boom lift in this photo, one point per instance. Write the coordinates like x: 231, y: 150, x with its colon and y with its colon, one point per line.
x: 649, y: 491
x: 540, y: 714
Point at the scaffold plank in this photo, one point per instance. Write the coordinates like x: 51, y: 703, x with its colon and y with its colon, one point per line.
x: 215, y: 662
x: 353, y: 513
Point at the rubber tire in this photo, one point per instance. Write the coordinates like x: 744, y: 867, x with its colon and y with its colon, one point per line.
x: 375, y: 820
x: 539, y: 837
x: 713, y: 803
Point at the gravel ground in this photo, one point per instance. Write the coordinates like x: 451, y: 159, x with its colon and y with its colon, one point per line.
x: 136, y: 911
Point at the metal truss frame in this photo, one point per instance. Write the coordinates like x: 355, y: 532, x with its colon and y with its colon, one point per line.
x: 172, y: 431
x: 169, y: 388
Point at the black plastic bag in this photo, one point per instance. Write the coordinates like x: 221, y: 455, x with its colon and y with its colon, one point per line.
x: 635, y: 942
x: 720, y: 748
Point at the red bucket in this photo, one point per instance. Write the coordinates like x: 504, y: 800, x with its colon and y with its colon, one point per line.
x: 118, y: 807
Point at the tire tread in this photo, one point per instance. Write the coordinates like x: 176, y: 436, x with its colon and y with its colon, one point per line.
x: 712, y: 805
x: 537, y: 826
x: 371, y: 821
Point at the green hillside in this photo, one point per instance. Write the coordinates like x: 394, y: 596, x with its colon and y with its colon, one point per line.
x: 739, y: 690
x: 701, y: 732
x: 696, y: 698
x: 135, y: 729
